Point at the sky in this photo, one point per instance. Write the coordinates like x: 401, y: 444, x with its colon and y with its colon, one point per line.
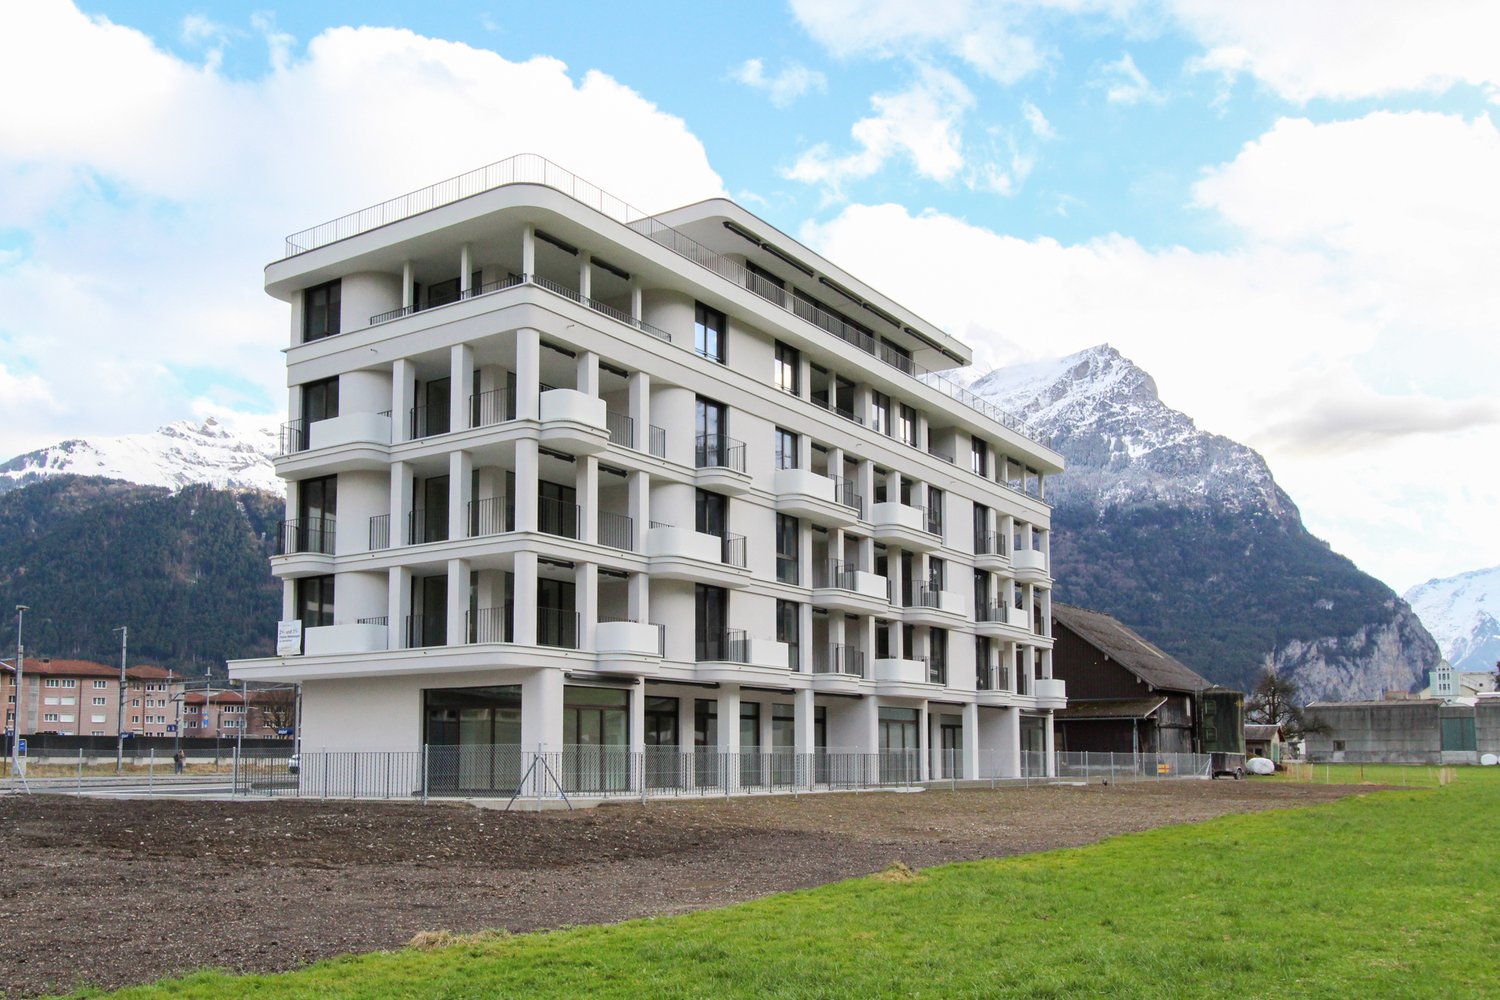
x: 1287, y: 211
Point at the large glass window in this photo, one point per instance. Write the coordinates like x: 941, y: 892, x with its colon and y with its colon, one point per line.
x: 937, y: 656
x: 320, y: 400
x: 787, y: 535
x: 711, y: 620
x: 788, y: 630
x: 472, y: 735
x: 934, y: 510
x: 786, y: 449
x: 712, y: 513
x: 320, y: 311
x: 317, y: 505
x: 788, y: 369
x: 880, y: 413
x: 709, y: 337
x: 315, y: 601
x: 711, y: 424
x: 596, y: 739
x: 979, y: 457
x: 906, y: 424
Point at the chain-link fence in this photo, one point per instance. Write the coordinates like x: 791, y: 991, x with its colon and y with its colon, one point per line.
x: 510, y: 771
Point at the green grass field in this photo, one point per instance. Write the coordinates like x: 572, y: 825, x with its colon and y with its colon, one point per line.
x: 1391, y: 894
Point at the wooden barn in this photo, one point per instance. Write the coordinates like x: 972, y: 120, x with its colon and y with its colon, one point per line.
x: 1125, y: 695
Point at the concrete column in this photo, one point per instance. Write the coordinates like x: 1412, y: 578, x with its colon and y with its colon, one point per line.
x: 465, y: 271
x: 288, y: 600
x: 638, y: 597
x: 1046, y: 540
x: 461, y: 374
x: 871, y: 741
x: 637, y: 735
x: 1050, y: 746
x: 407, y: 291
x: 804, y: 376
x: 729, y: 733
x: 403, y: 392
x: 523, y: 606
x: 398, y: 604
x: 638, y: 506
x: 1008, y: 529
x: 541, y: 716
x: 804, y: 635
x: 924, y: 742
x: 460, y: 492
x: 635, y: 298
x: 586, y: 275
x: 1008, y: 746
x: 528, y: 250
x: 804, y: 552
x: 893, y: 486
x: 867, y: 643
x: 893, y: 567
x: 1041, y: 486
x: 586, y: 486
x: 971, y: 741
x: 639, y: 387
x: 804, y: 732
x: 898, y: 638
x: 458, y: 601
x: 923, y: 431
x: 528, y: 466
x: 586, y: 602
x: 401, y: 486
x: 588, y: 373
x: 528, y: 373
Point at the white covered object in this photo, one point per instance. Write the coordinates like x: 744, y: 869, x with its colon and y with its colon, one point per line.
x: 1260, y: 765
x: 1489, y: 760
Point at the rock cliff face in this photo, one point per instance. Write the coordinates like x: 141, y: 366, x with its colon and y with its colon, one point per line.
x: 1186, y: 536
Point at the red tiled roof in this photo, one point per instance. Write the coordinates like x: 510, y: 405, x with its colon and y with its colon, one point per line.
x: 50, y: 667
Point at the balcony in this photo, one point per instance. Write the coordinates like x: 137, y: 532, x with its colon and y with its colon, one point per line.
x: 364, y: 636
x: 491, y: 516
x: 423, y: 630
x: 804, y: 493
x: 905, y: 526
x: 720, y: 461
x: 684, y: 554
x: 574, y: 421
x: 1029, y: 563
x: 489, y: 408
x: 424, y: 526
x: 616, y: 531
x: 428, y: 421
x: 626, y: 647
x: 557, y: 517
x: 312, y: 535
x: 841, y: 587
x: 559, y: 628
x: 894, y: 676
x: 725, y: 654
x: 991, y: 551
x: 927, y: 605
x: 993, y: 619
x: 1050, y: 692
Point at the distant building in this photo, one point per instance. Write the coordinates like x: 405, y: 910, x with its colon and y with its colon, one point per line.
x: 82, y: 698
x: 1263, y: 741
x: 1409, y: 731
x: 224, y: 713
x: 1125, y: 695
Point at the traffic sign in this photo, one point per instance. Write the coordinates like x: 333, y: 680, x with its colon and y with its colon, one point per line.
x: 171, y: 729
x: 284, y: 732
x: 21, y: 747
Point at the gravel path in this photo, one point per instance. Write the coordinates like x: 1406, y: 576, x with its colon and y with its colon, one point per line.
x: 127, y: 891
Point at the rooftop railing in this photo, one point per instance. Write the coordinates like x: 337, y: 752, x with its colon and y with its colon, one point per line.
x: 529, y: 168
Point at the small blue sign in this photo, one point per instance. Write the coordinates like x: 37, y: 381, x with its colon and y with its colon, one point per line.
x: 284, y: 732
x: 171, y: 729
x: 21, y: 747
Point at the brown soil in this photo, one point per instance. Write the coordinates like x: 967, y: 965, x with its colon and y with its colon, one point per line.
x: 114, y: 892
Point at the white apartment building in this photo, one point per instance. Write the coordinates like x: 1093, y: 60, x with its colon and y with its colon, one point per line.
x: 565, y: 477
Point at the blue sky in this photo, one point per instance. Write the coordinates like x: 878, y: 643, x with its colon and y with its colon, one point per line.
x: 1285, y: 211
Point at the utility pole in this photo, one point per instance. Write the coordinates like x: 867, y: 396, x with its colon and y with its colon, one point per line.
x: 15, y: 738
x: 124, y: 631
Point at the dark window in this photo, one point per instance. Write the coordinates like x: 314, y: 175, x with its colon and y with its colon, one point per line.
x: 712, y: 513
x: 712, y: 426
x: 320, y: 400
x: 441, y: 293
x: 788, y: 629
x: 787, y: 531
x: 981, y: 528
x: 906, y: 424
x: 318, y: 498
x: 880, y: 413
x: 788, y: 369
x: 320, y: 312
x: 882, y: 639
x: 709, y: 333
x: 934, y: 510
x: 979, y: 458
x: 982, y: 672
x: 711, y: 621
x: 937, y: 574
x: 315, y: 601
x: 786, y: 449
x: 937, y: 656
x: 981, y: 591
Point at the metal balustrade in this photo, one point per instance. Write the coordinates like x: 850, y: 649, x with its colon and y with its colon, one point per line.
x: 924, y: 595
x: 658, y: 441
x: 429, y: 421
x: 423, y: 526
x: 312, y: 535
x: 990, y: 543
x: 733, y: 551
x: 488, y: 624
x: 558, y: 627
x: 426, y: 630
x: 491, y: 516
x: 839, y: 658
x: 721, y: 644
x: 493, y: 407
x: 616, y: 530
x: 621, y: 428
x: 380, y: 532
x: 845, y: 495
x: 719, y: 451
x: 293, y: 438
x: 556, y: 517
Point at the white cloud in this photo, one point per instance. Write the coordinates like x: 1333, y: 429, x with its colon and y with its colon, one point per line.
x: 921, y: 123
x: 784, y: 87
x: 1038, y: 123
x: 1348, y: 331
x: 1371, y: 48
x: 996, y: 37
x: 150, y: 192
x: 1124, y: 83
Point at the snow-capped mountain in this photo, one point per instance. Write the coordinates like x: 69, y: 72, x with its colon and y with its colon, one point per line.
x: 1186, y: 535
x: 1463, y: 614
x: 177, y: 455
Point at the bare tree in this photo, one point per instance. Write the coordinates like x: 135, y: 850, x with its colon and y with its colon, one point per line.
x: 1275, y: 701
x: 272, y: 710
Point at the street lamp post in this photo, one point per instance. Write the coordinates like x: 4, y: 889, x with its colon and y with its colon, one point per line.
x: 15, y: 739
x: 124, y: 631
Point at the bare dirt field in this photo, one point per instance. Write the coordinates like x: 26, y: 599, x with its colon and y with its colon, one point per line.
x: 114, y: 892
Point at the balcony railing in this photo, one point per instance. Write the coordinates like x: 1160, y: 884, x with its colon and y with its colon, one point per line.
x: 383, y: 621
x: 293, y: 437
x: 924, y: 595
x: 557, y: 627
x: 839, y: 575
x: 934, y: 521
x: 488, y: 624
x: 529, y: 168
x: 717, y: 451
x: 991, y: 612
x: 491, y: 516
x: 426, y: 630
x: 990, y: 543
x: 310, y: 534
x: 727, y: 644
x: 427, y: 421
x: 424, y: 526
x: 556, y: 517
x: 658, y: 442
x: 380, y: 532
x: 843, y: 493
x: 616, y: 530
x: 621, y: 428
x: 837, y: 658
x: 493, y: 407
x: 821, y: 399
x: 733, y: 551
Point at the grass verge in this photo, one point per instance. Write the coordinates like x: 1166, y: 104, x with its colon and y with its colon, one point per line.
x: 1384, y: 895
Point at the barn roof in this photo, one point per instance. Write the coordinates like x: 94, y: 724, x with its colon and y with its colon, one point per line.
x: 1129, y: 650
x: 1125, y: 708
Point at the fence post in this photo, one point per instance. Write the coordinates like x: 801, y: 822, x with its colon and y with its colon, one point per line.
x: 79, y: 793
x: 424, y: 774
x: 151, y: 774
x: 234, y: 788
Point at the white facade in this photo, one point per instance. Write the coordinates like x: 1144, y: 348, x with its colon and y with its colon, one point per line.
x: 580, y: 462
